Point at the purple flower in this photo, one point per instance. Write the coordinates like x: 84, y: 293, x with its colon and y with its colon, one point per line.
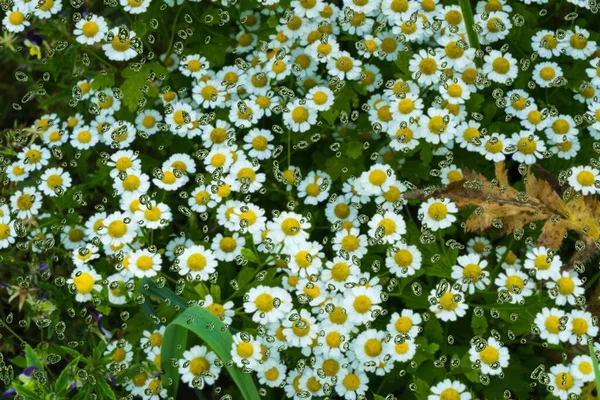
x: 10, y: 392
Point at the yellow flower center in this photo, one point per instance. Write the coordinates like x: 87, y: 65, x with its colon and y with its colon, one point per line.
x: 527, y: 146
x: 580, y: 326
x: 362, y: 304
x: 16, y: 18
x: 198, y: 365
x: 403, y: 324
x: 489, y: 355
x: 447, y: 302
x: 501, y: 65
x: 373, y: 347
x: 428, y: 66
x: 564, y: 380
x: 84, y: 283
x: 586, y: 178
x: 89, y: 29
x: 437, y: 211
x: 196, y: 262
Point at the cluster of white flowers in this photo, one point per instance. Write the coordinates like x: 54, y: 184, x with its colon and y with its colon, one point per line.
x: 328, y: 305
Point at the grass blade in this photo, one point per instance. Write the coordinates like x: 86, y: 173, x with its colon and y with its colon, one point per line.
x: 595, y: 364
x: 218, y: 339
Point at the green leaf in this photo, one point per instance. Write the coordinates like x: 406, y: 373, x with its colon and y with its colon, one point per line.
x: 62, y: 383
x: 433, y: 330
x: 250, y: 256
x: 72, y: 352
x: 103, y: 81
x: 594, y: 363
x: 212, y: 331
x: 354, y: 150
x: 32, y: 358
x: 479, y: 324
x: 27, y: 393
x: 148, y: 287
x: 215, y: 292
x: 423, y: 390
x: 104, y: 390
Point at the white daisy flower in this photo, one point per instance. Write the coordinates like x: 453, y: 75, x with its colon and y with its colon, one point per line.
x: 516, y: 283
x: 448, y: 389
x: 500, y: 67
x: 553, y: 325
x: 90, y: 30
x: 120, y: 47
x: 83, y: 281
x: 566, y: 289
x: 546, y: 266
x: 583, y: 179
x: 437, y: 213
x: 199, y: 366
x: 582, y: 326
x: 470, y: 273
x: 403, y: 260
x: 449, y: 305
x: 26, y: 203
x: 197, y: 261
x: 492, y: 357
x: 563, y: 382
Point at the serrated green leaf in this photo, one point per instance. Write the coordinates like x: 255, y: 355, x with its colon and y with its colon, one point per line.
x: 104, y: 390
x: 354, y: 149
x: 218, y: 339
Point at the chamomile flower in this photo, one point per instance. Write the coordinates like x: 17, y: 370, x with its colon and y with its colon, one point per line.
x: 84, y: 138
x: 528, y: 147
x: 198, y: 262
x: 448, y: 389
x: 577, y: 44
x: 494, y: 147
x: 258, y: 143
x: 118, y: 229
x: 132, y: 182
x: 566, y: 289
x: 153, y: 215
x: 338, y: 272
x: 545, y: 74
x: 117, y: 288
x: 83, y: 281
x: 148, y: 121
x: 496, y: 27
x: 152, y: 340
x: 55, y: 181
x: 500, y: 67
x: 403, y: 260
x: 583, y: 179
x: 26, y: 203
x: 7, y: 232
x: 438, y: 213
x: 199, y: 366
x: 437, y: 126
x: 448, y: 305
x: 546, y: 44
x: 492, y: 357
x: 350, y: 242
x: 469, y: 273
x: 426, y: 67
x: 564, y: 384
x: 314, y: 188
x: 17, y: 172
x: 34, y: 157
x: 120, y: 46
x: 388, y: 227
x: 405, y: 323
x: 360, y: 303
x: 224, y: 312
x: 16, y: 20
x: 227, y: 248
x: 73, y: 237
x: 344, y: 66
x: 90, y: 30
x: 553, y: 325
x: 367, y: 350
x: 451, y: 174
x: 120, y: 353
x: 289, y: 228
x: 582, y: 327
x: 582, y: 368
x: 300, y: 116
x: 352, y: 383
x: 545, y: 265
x: 516, y: 283
x: 267, y: 304
x: 145, y: 264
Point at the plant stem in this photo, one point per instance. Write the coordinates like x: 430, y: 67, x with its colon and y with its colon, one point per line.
x: 467, y: 12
